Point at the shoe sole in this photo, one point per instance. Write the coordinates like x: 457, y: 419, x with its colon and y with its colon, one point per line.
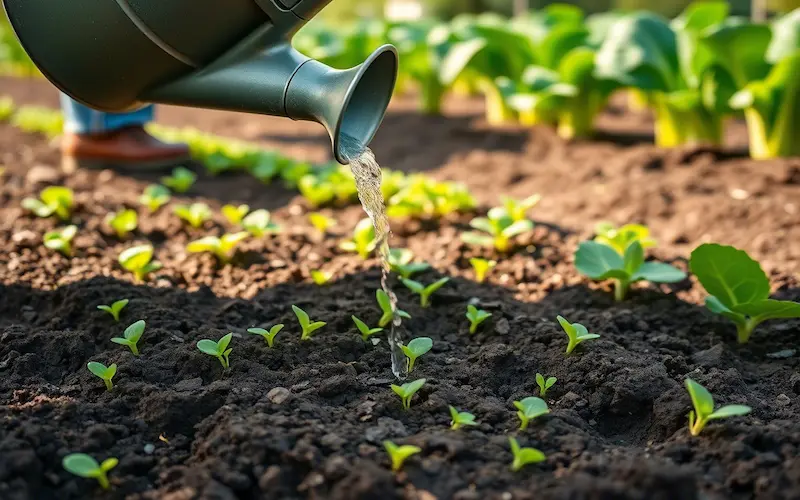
x: 70, y: 164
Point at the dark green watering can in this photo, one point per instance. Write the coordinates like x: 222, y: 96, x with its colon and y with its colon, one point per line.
x: 117, y: 55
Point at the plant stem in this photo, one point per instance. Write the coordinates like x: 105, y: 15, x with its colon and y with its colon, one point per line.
x: 744, y: 330
x: 109, y: 384
x: 620, y: 290
x: 473, y: 327
x: 431, y: 94
x: 103, y: 480
x: 134, y: 349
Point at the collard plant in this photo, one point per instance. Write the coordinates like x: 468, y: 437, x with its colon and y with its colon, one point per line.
x: 498, y: 231
x: 61, y: 240
x: 576, y: 333
x: 106, y: 373
x: 83, y: 465
x: 219, y: 349
x: 308, y: 327
x: 154, y: 197
x: 704, y: 411
x: 476, y: 317
x: 481, y: 268
x: 401, y: 262
x: 115, y: 308
x: 364, y: 329
x: 131, y: 336
x: 544, y: 384
x: 619, y: 238
x: 259, y: 223
x: 53, y: 200
x: 123, y: 222
x: 139, y: 261
x: 399, y: 454
x: 524, y: 456
x: 389, y: 312
x: 459, y: 419
x: 235, y: 213
x: 363, y: 242
x: 529, y: 409
x: 181, y: 180
x: 195, y: 214
x: 321, y: 222
x: 407, y: 391
x: 424, y: 292
x: 416, y: 348
x: 267, y: 335
x: 223, y: 248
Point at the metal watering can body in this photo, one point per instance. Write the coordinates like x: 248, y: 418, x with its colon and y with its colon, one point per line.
x: 117, y: 55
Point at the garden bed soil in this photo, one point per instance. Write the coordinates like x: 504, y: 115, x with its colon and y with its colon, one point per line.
x: 306, y: 419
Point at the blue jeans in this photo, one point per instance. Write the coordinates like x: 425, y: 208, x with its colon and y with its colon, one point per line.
x: 79, y: 119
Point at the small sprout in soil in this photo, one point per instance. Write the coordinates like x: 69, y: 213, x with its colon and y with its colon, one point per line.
x: 61, y: 240
x: 83, y: 465
x: 530, y: 408
x: 476, y: 317
x: 235, y: 214
x: 321, y: 222
x: 363, y: 242
x: 223, y: 248
x: 181, y: 180
x: 131, y: 336
x: 320, y: 277
x: 123, y: 222
x: 407, y: 391
x: 400, y: 262
x: 269, y: 335
x: 498, y: 231
x: 386, y: 306
x: 154, y: 197
x: 306, y: 324
x: 576, y: 332
x: 423, y: 291
x: 481, y: 268
x: 517, y: 210
x: 399, y: 454
x: 259, y: 223
x: 738, y: 287
x: 524, y: 456
x: 195, y: 214
x: 602, y: 262
x: 544, y: 384
x: 620, y: 238
x: 416, y: 348
x: 52, y: 200
x: 105, y: 373
x: 460, y: 418
x: 366, y: 331
x: 115, y: 308
x: 219, y: 349
x: 138, y: 260
x: 704, y: 408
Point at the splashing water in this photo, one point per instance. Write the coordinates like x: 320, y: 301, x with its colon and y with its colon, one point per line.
x: 367, y: 173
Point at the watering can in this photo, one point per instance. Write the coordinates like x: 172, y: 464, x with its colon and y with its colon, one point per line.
x: 118, y: 55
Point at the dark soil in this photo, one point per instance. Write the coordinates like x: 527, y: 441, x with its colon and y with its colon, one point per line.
x: 306, y: 420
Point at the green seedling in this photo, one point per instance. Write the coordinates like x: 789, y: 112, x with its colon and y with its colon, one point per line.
x: 460, y: 418
x: 218, y: 349
x: 269, y: 335
x: 703, y: 412
x: 320, y: 277
x: 234, y: 213
x: 61, y: 240
x: 138, y: 260
x: 500, y: 231
x: 154, y: 197
x: 399, y: 454
x: 259, y: 223
x: 181, y: 180
x: 529, y: 409
x: 363, y: 242
x: 131, y: 336
x: 366, y: 331
x: 517, y: 210
x: 389, y: 312
x: 400, y: 263
x: 115, y: 308
x: 481, y: 268
x: 576, y: 333
x: 223, y: 248
x: 306, y: 324
x: 265, y: 166
x: 544, y: 384
x: 476, y: 317
x: 602, y: 262
x: 105, y: 373
x: 83, y: 465
x: 195, y: 214
x: 620, y: 238
x: 407, y: 391
x: 416, y: 348
x: 321, y: 222
x: 423, y: 291
x: 123, y: 222
x: 739, y: 289
x: 52, y: 200
x: 524, y: 456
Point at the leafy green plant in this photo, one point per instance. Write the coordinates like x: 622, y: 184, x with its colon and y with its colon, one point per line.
x: 123, y: 222
x: 576, y: 333
x: 115, y: 308
x: 363, y: 242
x: 181, y: 180
x: 219, y: 349
x: 61, y: 240
x: 704, y: 412
x: 407, y: 391
x: 131, y: 336
x: 269, y: 335
x: 56, y: 200
x: 400, y: 261
x: 738, y: 287
x: 234, y: 214
x: 321, y: 222
x: 476, y: 317
x: 399, y: 454
x: 195, y: 214
x: 620, y: 238
x: 266, y: 165
x: 105, y: 373
x: 460, y: 418
x: 416, y: 348
x: 83, y: 465
x: 529, y: 409
x: 366, y: 331
x: 154, y: 197
x: 423, y: 291
x: 524, y: 456
x: 481, y: 268
x: 223, y: 248
x: 320, y: 277
x: 500, y: 230
x: 139, y: 261
x: 306, y: 324
x: 515, y: 209
x: 259, y: 223
x: 389, y: 313
x: 543, y: 384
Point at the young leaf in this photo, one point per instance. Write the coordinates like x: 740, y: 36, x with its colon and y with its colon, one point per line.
x: 407, y: 391
x: 195, y: 214
x: 703, y: 411
x: 138, y: 260
x: 544, y: 384
x: 459, y: 419
x: 424, y: 292
x: 115, y: 308
x: 131, y: 336
x: 576, y: 333
x: 321, y: 222
x: 620, y: 238
x: 123, y: 222
x: 269, y: 335
x: 83, y: 465
x: 61, y: 241
x: 363, y: 242
x: 102, y: 371
x: 223, y: 248
x: 181, y: 180
x: 320, y: 277
x: 234, y: 214
x: 217, y: 349
x: 389, y: 313
x: 524, y: 456
x: 366, y: 331
x: 154, y: 197
x: 416, y: 348
x: 399, y: 454
x: 481, y: 267
x: 259, y: 223
x: 400, y: 263
x: 56, y: 200
x: 530, y: 408
x: 476, y: 317
x: 306, y: 324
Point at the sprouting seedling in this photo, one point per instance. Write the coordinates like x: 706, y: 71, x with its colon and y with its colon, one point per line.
x: 83, y: 465
x: 524, y: 456
x: 61, y: 240
x: 529, y: 409
x: 423, y: 291
x: 386, y: 306
x: 259, y: 223
x: 703, y: 412
x: 104, y: 372
x: 131, y: 336
x: 366, y: 331
x: 195, y: 214
x: 138, y: 260
x: 407, y: 391
x: 460, y: 418
x: 481, y: 268
x: 123, y: 222
x: 154, y: 197
x: 320, y: 277
x: 115, y: 308
x: 306, y: 324
x: 234, y: 213
x: 499, y: 231
x: 399, y: 454
x: 416, y: 348
x: 517, y: 210
x: 223, y: 248
x: 321, y: 222
x: 219, y: 349
x: 400, y: 263
x: 544, y: 384
x: 476, y: 317
x: 620, y: 238
x: 363, y: 242
x: 181, y: 180
x: 52, y: 200
x: 269, y: 335
x: 576, y: 332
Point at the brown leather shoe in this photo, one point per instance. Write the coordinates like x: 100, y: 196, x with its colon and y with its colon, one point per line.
x: 129, y: 147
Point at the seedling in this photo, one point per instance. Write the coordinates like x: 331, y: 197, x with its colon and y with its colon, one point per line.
x: 52, y: 200
x: 738, y: 287
x: 399, y: 454
x: 235, y: 214
x: 366, y: 331
x: 363, y: 242
x: 544, y: 384
x: 704, y: 412
x: 259, y: 223
x: 481, y: 268
x: 460, y: 418
x: 400, y: 262
x: 602, y: 262
x: 389, y: 312
x: 115, y: 308
x: 476, y: 317
x: 423, y: 291
x: 61, y: 240
x: 218, y: 349
x: 269, y: 335
x: 154, y: 197
x: 195, y: 214
x: 131, y: 336
x: 516, y: 209
x: 576, y: 332
x: 123, y: 222
x: 105, y: 373
x: 620, y: 238
x: 500, y: 231
x: 306, y: 324
x: 223, y: 248
x: 321, y: 222
x: 83, y: 465
x: 524, y: 456
x: 407, y: 391
x: 181, y: 180
x: 320, y: 277
x: 530, y: 408
x: 416, y: 348
x: 138, y: 260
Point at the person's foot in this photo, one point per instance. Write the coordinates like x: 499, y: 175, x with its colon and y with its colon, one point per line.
x: 130, y: 147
